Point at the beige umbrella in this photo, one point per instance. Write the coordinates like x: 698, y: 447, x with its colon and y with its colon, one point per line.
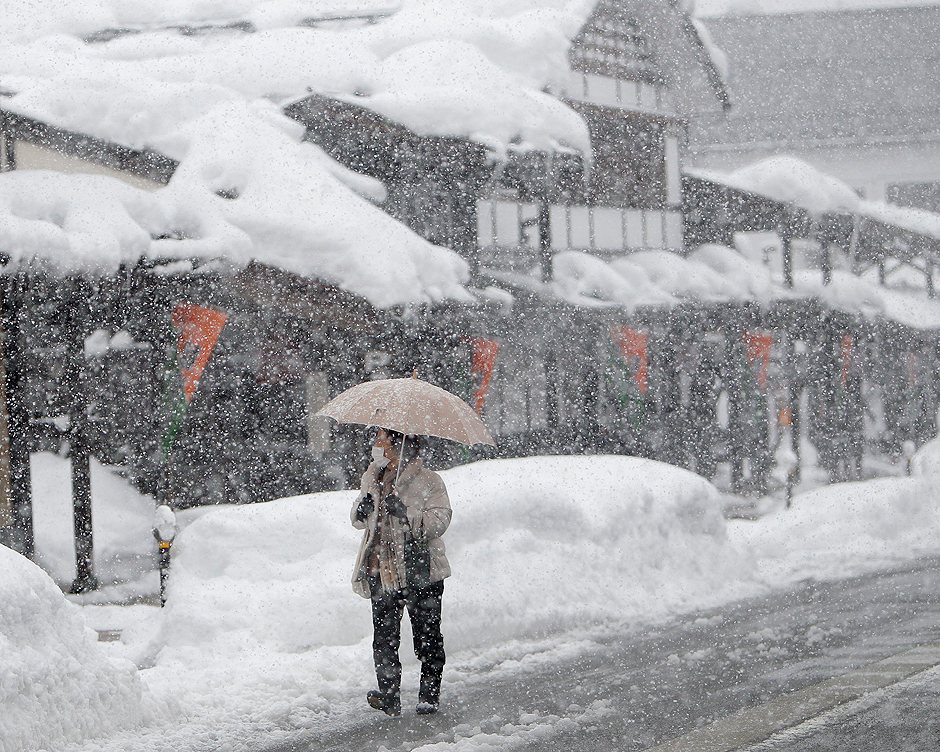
x: 409, y: 406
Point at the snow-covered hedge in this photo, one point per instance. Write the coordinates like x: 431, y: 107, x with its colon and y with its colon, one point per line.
x: 56, y: 684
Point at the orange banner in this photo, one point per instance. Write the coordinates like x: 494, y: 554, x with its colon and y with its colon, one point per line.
x: 633, y: 349
x: 757, y: 346
x: 481, y: 368
x: 199, y: 331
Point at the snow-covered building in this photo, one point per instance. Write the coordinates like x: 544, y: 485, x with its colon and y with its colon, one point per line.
x: 602, y: 176
x: 124, y: 139
x: 489, y: 192
x: 852, y: 91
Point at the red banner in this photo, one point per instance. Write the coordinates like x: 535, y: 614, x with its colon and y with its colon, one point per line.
x: 757, y: 348
x: 481, y: 368
x: 633, y: 349
x: 199, y: 331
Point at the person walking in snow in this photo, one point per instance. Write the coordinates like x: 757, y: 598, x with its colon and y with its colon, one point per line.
x: 404, y: 510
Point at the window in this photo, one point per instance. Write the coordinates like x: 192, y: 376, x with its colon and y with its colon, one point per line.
x: 507, y: 223
x: 673, y: 230
x: 608, y: 229
x: 558, y: 219
x: 673, y: 184
x: 654, y: 229
x: 580, y: 227
x: 486, y: 234
x: 633, y: 219
x: 602, y: 90
x: 317, y: 392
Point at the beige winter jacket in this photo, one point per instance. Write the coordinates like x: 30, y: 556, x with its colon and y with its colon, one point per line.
x: 428, y: 508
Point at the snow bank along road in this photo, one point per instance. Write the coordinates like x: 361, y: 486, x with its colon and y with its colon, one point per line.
x: 262, y: 644
x: 664, y: 688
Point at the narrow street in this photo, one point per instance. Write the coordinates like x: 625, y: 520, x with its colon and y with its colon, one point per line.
x: 648, y: 689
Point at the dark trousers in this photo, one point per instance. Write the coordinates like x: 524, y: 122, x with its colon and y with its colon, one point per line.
x: 424, y: 610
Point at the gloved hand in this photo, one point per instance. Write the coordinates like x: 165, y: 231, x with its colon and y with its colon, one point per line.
x: 396, y: 507
x: 366, y: 505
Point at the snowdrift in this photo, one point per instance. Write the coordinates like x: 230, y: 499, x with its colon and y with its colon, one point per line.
x: 849, y: 528
x: 122, y: 518
x: 262, y: 618
x: 56, y: 684
x: 537, y: 545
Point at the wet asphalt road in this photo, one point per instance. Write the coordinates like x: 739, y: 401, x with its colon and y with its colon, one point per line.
x: 639, y: 689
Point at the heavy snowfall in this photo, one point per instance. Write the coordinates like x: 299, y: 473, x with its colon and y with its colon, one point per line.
x: 711, y: 515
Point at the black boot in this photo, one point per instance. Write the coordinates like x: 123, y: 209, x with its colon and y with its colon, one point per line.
x: 430, y: 691
x: 390, y: 703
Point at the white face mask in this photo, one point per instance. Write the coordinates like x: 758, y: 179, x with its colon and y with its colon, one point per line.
x: 378, y: 455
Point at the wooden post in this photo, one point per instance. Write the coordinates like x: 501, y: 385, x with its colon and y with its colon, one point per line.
x: 786, y: 236
x: 552, y: 392
x: 7, y: 512
x: 545, y: 241
x: 79, y: 453
x: 15, y: 479
x: 81, y: 507
x: 853, y: 243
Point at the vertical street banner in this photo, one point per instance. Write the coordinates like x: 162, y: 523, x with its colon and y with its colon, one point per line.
x: 199, y: 330
x: 481, y: 369
x: 628, y: 372
x: 757, y: 350
x: 632, y: 347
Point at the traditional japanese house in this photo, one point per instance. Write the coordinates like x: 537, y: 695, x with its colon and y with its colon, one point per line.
x: 636, y: 71
x: 96, y: 361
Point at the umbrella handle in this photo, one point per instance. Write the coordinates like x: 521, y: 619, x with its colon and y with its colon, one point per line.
x: 401, y: 454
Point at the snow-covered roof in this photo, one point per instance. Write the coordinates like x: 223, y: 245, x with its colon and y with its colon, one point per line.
x: 918, y: 221
x: 715, y: 274
x: 789, y: 180
x: 470, y: 69
x: 203, y: 84
x: 811, y: 79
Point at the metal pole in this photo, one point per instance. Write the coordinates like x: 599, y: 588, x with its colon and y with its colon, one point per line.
x: 164, y: 568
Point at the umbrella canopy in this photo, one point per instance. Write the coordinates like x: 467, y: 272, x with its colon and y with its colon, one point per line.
x: 409, y: 406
